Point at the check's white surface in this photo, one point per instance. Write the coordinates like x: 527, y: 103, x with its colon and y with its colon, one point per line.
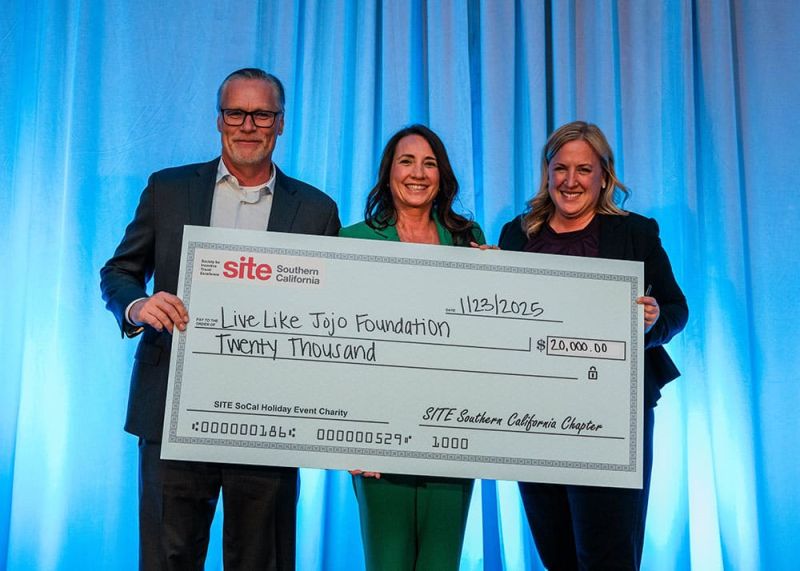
x: 340, y: 353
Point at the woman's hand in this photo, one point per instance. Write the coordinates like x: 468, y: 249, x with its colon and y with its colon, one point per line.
x: 376, y: 475
x: 483, y: 246
x: 651, y: 311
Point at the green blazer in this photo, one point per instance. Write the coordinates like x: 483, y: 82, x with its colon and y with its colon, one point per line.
x: 362, y: 230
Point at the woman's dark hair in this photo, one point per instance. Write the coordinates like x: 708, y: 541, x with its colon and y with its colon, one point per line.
x: 380, y: 211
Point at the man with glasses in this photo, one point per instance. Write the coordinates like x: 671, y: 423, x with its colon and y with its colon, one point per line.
x: 241, y: 189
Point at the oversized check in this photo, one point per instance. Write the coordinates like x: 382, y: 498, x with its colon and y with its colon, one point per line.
x: 340, y: 353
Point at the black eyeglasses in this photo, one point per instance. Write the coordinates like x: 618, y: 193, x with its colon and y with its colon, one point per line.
x: 236, y: 117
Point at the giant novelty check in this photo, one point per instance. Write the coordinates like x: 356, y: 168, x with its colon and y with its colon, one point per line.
x: 340, y: 353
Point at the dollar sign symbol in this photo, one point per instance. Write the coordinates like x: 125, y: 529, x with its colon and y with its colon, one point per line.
x: 540, y: 345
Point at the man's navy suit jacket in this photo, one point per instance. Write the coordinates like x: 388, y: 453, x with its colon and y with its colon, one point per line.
x: 151, y: 248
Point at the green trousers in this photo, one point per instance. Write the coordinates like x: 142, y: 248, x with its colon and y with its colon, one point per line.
x: 412, y: 523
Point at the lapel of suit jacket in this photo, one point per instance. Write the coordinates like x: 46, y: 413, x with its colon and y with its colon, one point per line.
x: 612, y: 246
x: 201, y: 193
x: 285, y: 204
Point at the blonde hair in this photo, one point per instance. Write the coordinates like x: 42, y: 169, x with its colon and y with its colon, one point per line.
x: 613, y: 194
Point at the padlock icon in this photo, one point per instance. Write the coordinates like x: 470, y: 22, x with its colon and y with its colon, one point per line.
x: 592, y: 373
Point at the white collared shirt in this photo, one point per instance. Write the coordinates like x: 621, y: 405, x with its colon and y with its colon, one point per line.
x: 241, y: 207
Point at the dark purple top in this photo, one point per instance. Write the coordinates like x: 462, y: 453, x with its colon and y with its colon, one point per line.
x: 585, y: 242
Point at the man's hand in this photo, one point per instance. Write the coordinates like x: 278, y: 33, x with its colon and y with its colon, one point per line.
x: 160, y: 310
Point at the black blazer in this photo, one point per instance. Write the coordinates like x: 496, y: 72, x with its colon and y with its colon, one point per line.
x: 634, y: 237
x: 151, y: 248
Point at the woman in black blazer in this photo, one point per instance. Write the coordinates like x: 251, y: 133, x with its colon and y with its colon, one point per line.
x: 577, y: 211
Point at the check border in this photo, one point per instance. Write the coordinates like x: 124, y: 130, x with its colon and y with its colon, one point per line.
x: 192, y: 246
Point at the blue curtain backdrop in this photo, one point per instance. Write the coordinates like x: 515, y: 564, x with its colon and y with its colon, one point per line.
x: 699, y: 100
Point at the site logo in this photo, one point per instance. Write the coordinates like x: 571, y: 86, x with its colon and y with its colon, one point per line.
x: 246, y: 268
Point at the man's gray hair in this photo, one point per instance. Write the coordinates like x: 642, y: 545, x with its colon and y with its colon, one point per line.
x: 253, y: 73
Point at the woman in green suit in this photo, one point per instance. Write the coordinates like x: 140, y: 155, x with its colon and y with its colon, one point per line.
x: 413, y: 522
